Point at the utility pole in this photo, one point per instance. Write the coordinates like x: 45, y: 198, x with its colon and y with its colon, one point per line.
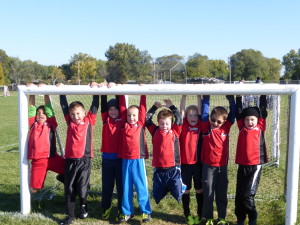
x: 229, y: 66
x: 78, y: 72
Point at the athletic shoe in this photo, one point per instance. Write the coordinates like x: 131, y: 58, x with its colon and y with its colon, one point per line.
x: 106, y: 213
x: 197, y: 220
x: 146, y: 218
x: 83, y: 212
x: 60, y: 178
x: 125, y: 218
x: 209, y: 222
x: 68, y: 220
x: 189, y: 220
x: 222, y: 222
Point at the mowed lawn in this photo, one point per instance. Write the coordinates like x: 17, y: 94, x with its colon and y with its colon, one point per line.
x: 51, y: 209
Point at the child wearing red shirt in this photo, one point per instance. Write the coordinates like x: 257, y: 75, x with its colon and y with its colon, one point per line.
x: 190, y: 152
x: 111, y: 163
x: 214, y: 156
x: 251, y: 153
x: 42, y: 144
x: 166, y: 153
x: 134, y: 152
x: 78, y: 154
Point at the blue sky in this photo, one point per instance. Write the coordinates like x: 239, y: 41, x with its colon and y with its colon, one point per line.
x: 51, y: 32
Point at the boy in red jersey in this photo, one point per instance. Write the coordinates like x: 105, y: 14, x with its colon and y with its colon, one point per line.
x: 111, y: 164
x: 251, y: 153
x: 134, y: 152
x: 166, y: 153
x: 42, y: 143
x: 214, y: 156
x: 190, y: 152
x: 78, y: 153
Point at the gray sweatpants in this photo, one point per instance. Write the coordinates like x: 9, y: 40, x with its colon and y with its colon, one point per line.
x: 214, y: 182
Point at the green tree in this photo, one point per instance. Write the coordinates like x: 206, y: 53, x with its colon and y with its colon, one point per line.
x: 274, y: 69
x: 198, y: 66
x: 5, y: 60
x: 249, y: 64
x: 291, y: 62
x: 219, y: 69
x: 125, y: 62
x: 2, y: 78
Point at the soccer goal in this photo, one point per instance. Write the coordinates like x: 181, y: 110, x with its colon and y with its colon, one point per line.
x: 272, y: 172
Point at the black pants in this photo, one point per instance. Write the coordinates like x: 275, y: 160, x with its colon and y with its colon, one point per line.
x: 77, y: 182
x: 111, y: 173
x: 247, y: 183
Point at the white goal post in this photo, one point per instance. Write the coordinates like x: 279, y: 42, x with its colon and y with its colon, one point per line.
x: 172, y: 89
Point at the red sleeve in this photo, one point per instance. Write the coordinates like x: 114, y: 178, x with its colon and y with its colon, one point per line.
x: 151, y: 128
x: 240, y: 123
x: 261, y: 123
x: 52, y: 121
x: 104, y: 116
x: 92, y: 117
x: 31, y: 121
x: 122, y: 105
x: 142, y: 110
x: 176, y: 129
x: 67, y: 118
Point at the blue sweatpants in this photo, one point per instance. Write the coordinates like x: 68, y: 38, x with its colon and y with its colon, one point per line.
x: 134, y: 174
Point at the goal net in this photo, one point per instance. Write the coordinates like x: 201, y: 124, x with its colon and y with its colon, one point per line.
x: 273, y: 173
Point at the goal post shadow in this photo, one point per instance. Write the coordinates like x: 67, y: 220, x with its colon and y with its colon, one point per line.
x: 172, y: 89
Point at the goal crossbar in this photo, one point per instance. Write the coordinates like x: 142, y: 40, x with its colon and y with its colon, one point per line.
x: 171, y: 89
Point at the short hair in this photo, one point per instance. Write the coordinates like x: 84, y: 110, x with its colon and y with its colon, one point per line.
x: 191, y: 108
x: 219, y: 111
x: 165, y: 113
x: 133, y: 106
x: 75, y: 105
x: 42, y: 107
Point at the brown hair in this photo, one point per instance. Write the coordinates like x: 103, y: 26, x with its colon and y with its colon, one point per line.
x: 42, y: 107
x: 133, y: 106
x: 191, y: 108
x: 165, y: 113
x: 75, y: 105
x: 219, y: 111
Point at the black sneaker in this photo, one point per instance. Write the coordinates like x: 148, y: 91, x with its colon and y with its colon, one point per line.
x: 83, y: 212
x: 60, y: 178
x: 68, y: 220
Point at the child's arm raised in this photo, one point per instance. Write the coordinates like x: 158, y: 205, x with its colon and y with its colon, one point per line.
x: 231, y: 115
x: 239, y: 107
x: 175, y: 111
x: 63, y: 102
x: 263, y: 106
x: 205, y: 108
x: 182, y: 105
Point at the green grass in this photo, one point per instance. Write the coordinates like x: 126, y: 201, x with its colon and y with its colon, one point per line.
x: 271, y: 211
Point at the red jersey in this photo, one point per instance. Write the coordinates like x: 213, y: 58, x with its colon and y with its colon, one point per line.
x: 215, y: 144
x: 42, y: 141
x: 190, y: 145
x: 79, y: 141
x: 251, y: 146
x: 133, y: 137
x: 165, y: 146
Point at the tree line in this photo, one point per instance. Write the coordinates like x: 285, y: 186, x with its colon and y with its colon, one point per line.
x: 126, y: 62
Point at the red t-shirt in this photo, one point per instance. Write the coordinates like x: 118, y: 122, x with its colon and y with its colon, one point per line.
x: 41, y: 141
x: 215, y: 144
x: 251, y: 146
x: 79, y: 141
x: 165, y: 146
x: 189, y: 141
x: 134, y: 145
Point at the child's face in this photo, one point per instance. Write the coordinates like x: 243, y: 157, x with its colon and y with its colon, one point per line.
x: 113, y: 112
x: 250, y: 122
x: 192, y: 117
x: 132, y: 115
x: 165, y: 124
x: 216, y: 121
x: 40, y: 116
x: 77, y: 114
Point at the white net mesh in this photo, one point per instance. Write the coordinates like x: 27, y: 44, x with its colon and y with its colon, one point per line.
x: 271, y: 185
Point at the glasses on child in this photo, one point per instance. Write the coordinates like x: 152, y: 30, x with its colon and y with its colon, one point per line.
x: 214, y: 120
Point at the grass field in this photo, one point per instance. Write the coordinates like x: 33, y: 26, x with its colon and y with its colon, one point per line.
x: 271, y: 211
